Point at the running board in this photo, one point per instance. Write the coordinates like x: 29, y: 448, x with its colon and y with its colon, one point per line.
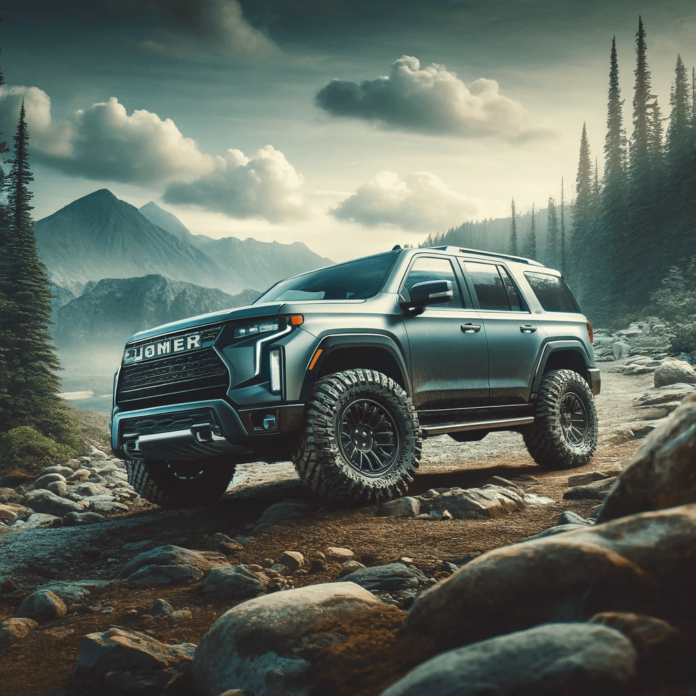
x: 430, y: 430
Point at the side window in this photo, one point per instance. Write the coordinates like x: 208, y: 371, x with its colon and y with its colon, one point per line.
x: 552, y: 292
x: 426, y: 268
x: 516, y: 302
x: 489, y: 287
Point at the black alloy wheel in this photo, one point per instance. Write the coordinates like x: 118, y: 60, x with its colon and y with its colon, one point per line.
x: 574, y: 421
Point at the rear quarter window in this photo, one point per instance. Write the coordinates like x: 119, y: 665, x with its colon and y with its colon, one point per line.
x: 552, y: 292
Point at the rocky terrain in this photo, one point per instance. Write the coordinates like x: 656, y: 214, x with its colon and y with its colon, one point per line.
x: 493, y: 576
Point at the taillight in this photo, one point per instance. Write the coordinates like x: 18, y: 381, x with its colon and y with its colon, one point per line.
x: 589, y: 331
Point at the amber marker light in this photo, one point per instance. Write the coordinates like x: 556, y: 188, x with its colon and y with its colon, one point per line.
x: 296, y: 319
x: 315, y: 358
x: 589, y: 331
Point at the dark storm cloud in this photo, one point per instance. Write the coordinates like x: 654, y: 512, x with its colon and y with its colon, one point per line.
x: 185, y: 27
x: 431, y: 100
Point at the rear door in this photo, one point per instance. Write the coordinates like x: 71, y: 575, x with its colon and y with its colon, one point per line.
x: 514, y: 336
x: 447, y: 342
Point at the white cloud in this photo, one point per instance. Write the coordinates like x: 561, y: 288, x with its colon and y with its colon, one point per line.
x: 431, y: 100
x: 105, y: 143
x: 416, y: 202
x: 265, y: 186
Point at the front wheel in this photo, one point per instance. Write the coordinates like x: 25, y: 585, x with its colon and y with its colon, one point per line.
x: 179, y: 484
x: 362, y: 440
x: 564, y: 433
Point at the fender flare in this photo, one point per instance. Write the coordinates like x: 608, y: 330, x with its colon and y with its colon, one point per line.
x: 332, y: 342
x: 554, y: 347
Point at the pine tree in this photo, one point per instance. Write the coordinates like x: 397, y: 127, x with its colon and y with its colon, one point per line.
x: 583, y: 217
x: 530, y: 250
x: 613, y: 197
x: 563, y: 229
x: 552, y: 232
x: 513, y: 231
x: 5, y: 306
x: 32, y: 382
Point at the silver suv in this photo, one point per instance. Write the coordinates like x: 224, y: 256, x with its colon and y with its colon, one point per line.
x: 346, y: 369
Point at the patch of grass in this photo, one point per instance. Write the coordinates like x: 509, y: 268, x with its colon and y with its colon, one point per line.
x: 25, y: 449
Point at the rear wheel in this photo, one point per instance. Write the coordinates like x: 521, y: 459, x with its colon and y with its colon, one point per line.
x: 564, y: 433
x: 362, y: 440
x: 179, y: 484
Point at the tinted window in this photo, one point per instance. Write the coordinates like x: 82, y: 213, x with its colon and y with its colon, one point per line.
x: 516, y: 303
x: 425, y: 268
x: 488, y: 285
x: 356, y: 280
x: 552, y: 292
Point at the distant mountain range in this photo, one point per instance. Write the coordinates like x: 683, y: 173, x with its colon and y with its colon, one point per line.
x: 112, y: 310
x: 100, y: 236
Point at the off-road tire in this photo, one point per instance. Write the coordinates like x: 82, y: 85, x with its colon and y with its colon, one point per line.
x: 322, y: 464
x: 545, y: 439
x: 156, y: 482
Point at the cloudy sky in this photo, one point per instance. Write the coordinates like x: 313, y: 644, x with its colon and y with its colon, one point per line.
x: 350, y: 125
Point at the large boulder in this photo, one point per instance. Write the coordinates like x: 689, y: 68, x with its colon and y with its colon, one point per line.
x: 118, y: 651
x: 491, y: 501
x: 566, y: 658
x: 44, y: 501
x: 256, y: 646
x: 662, y: 473
x: 386, y: 578
x: 673, y: 372
x: 42, y: 606
x: 171, y: 555
x: 617, y: 566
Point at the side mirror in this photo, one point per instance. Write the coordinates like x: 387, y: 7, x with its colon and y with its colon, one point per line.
x: 430, y: 292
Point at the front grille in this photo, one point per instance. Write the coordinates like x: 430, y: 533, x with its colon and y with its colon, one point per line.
x: 168, y: 422
x: 157, y: 381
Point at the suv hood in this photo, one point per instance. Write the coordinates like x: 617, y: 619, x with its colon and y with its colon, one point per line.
x: 249, y: 312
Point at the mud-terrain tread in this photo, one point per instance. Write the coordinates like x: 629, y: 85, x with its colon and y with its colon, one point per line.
x: 318, y: 460
x: 544, y: 438
x: 154, y: 483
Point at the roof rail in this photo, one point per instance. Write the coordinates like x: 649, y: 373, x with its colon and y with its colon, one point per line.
x: 478, y: 252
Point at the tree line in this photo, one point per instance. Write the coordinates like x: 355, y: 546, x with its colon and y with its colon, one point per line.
x: 35, y: 424
x: 621, y: 232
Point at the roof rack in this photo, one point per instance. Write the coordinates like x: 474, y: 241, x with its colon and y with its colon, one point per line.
x: 478, y: 252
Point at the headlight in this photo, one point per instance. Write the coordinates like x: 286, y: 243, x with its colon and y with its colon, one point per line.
x: 259, y: 327
x: 275, y: 371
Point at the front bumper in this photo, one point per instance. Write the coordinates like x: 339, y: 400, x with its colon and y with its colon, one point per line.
x: 199, y: 430
x: 595, y: 378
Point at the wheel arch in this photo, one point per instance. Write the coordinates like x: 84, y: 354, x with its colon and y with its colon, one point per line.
x: 562, y: 355
x: 346, y: 352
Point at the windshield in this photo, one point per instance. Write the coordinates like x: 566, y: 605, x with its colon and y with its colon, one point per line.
x: 355, y: 280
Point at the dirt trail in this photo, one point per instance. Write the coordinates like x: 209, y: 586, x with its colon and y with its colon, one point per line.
x: 43, y: 662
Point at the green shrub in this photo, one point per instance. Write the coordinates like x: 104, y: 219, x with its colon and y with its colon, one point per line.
x: 27, y: 449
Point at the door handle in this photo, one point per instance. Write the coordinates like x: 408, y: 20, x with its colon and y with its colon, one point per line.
x: 471, y: 328
x: 528, y: 328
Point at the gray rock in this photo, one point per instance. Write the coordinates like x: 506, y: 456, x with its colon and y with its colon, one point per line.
x: 349, y: 567
x: 477, y: 503
x: 236, y: 582
x: 160, y: 608
x: 119, y: 650
x: 504, y: 483
x: 41, y: 606
x: 99, y: 505
x: 79, y: 475
x: 338, y: 553
x: 592, y: 491
x: 51, y: 504
x: 620, y: 350
x: 43, y: 481
x: 157, y: 575
x: 663, y: 395
x: 293, y: 560
x: 572, y: 659
x: 674, y: 372
x: 386, y: 578
x: 10, y: 495
x: 60, y: 488
x: 68, y: 592
x: 37, y: 520
x: 254, y: 646
x: 73, y: 519
x: 167, y: 555
x: 286, y: 510
x: 552, y: 531
x: 570, y: 517
x: 58, y: 469
x: 15, y: 629
x: 89, y: 489
x: 402, y: 507
x: 584, y: 479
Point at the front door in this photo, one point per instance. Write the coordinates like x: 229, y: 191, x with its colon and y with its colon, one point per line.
x: 447, y: 342
x: 515, y: 337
